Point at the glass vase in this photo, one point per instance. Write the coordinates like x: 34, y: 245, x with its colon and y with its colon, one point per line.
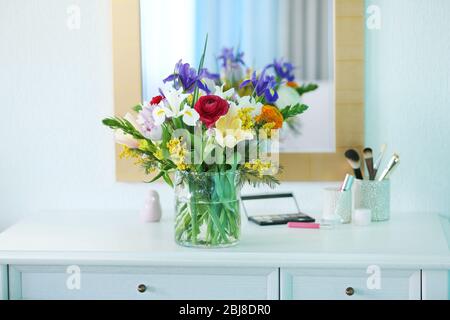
x: 207, y: 209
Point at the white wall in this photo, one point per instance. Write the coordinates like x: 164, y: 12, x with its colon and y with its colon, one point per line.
x: 55, y: 87
x: 408, y: 98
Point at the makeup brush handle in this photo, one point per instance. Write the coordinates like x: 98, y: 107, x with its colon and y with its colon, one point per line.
x: 383, y: 175
x: 387, y: 172
x: 392, y: 165
x: 369, y: 165
x: 378, y: 161
x: 358, y: 174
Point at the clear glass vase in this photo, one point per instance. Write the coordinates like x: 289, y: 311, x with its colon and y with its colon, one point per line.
x: 207, y: 209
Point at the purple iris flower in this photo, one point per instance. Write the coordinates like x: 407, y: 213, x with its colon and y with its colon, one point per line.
x: 263, y: 85
x: 232, y: 65
x: 205, y: 74
x: 186, y: 77
x: 283, y: 70
x: 230, y: 58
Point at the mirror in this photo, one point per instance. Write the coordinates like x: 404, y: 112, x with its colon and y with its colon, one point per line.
x: 148, y: 41
x: 296, y: 31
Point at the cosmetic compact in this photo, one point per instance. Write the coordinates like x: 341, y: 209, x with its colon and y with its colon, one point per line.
x: 273, y: 209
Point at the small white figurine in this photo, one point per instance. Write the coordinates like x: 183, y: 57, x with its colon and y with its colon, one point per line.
x: 152, y: 208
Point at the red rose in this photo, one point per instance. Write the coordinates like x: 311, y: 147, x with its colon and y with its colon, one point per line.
x: 211, y: 108
x: 156, y: 100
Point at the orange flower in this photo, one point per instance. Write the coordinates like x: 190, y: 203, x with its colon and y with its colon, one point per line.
x: 292, y: 84
x: 270, y: 114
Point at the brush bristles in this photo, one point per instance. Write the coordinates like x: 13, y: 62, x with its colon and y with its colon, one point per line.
x: 353, y: 158
x: 352, y: 155
x: 368, y: 153
x: 354, y: 164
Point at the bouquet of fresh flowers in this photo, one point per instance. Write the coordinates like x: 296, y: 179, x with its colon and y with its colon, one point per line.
x: 215, y: 132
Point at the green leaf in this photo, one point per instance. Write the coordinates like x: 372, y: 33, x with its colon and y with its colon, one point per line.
x: 167, y: 179
x: 124, y: 125
x: 157, y: 177
x: 166, y: 138
x: 200, y: 67
x: 111, y: 122
x: 214, y: 214
x: 255, y: 180
x: 137, y: 108
x: 306, y: 88
x: 292, y: 111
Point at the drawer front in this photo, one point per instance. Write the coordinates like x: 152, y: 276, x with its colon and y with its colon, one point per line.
x: 56, y: 282
x: 3, y: 282
x: 349, y: 284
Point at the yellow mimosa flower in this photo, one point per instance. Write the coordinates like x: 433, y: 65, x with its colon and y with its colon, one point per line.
x: 144, y: 145
x: 245, y: 114
x: 259, y: 166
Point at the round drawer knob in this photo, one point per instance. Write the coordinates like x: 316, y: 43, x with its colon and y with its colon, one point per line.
x: 142, y: 288
x: 349, y: 291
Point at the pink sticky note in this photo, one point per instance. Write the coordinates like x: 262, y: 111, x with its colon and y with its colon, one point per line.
x: 303, y: 225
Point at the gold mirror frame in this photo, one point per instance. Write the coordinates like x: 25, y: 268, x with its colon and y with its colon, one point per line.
x: 349, y: 90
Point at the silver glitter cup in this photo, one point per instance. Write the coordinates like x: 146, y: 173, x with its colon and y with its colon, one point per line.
x: 373, y: 195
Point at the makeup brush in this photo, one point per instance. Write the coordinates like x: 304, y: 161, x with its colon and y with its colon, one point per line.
x: 393, y: 163
x: 354, y: 161
x: 368, y: 156
x: 379, y: 159
x: 347, y: 184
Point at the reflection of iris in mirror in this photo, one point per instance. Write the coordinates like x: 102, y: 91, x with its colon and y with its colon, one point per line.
x: 232, y: 66
x: 283, y: 70
x: 264, y: 85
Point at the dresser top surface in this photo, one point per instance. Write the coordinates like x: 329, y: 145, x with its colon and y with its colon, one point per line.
x: 415, y: 240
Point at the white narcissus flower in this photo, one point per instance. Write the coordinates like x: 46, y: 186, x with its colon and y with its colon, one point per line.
x: 159, y: 115
x: 174, y: 99
x: 217, y: 91
x: 210, y: 84
x: 171, y: 107
x: 249, y: 102
x: 190, y: 116
x: 126, y: 140
x: 287, y: 96
x: 226, y: 95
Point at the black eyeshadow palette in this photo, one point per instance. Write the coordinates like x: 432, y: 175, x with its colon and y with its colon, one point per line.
x: 280, y: 219
x: 273, y: 219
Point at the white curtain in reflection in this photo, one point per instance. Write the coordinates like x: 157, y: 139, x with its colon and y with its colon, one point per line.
x: 307, y: 36
x: 298, y: 30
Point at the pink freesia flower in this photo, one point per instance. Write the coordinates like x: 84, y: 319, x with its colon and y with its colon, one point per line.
x: 126, y: 140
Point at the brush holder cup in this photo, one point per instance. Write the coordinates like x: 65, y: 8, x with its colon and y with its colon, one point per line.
x: 375, y: 196
x: 337, y: 206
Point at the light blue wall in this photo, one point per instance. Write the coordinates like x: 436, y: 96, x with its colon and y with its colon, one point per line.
x: 408, y: 99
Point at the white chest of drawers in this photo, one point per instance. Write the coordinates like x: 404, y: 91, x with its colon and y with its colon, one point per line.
x: 120, y: 258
